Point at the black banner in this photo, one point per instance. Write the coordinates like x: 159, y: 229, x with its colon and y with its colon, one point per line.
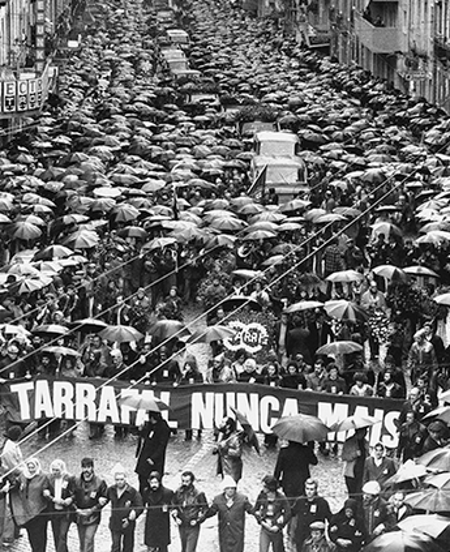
x: 200, y: 406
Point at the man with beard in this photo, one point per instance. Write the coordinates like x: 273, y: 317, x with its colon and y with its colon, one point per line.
x: 229, y: 450
x: 190, y: 506
x: 151, y: 452
x: 159, y: 502
x: 89, y: 499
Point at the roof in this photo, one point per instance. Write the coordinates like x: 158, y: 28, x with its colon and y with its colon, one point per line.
x: 261, y: 160
x: 271, y: 136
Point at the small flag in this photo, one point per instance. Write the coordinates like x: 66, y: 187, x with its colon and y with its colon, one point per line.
x: 259, y: 185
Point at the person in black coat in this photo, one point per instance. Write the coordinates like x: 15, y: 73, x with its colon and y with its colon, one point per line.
x: 151, y: 452
x: 159, y: 502
x: 292, y: 468
x: 306, y: 510
x: 347, y: 527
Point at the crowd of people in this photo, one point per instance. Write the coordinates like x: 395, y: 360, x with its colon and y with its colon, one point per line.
x: 126, y: 207
x: 31, y: 499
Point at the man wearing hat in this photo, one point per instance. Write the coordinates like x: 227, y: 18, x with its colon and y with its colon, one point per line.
x: 375, y: 509
x: 319, y: 540
x: 231, y: 507
x: 90, y: 495
x: 437, y: 431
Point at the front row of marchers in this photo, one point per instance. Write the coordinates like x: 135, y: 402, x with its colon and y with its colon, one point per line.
x: 37, y: 498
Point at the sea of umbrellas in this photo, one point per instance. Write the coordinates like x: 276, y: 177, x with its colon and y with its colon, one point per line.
x: 123, y: 185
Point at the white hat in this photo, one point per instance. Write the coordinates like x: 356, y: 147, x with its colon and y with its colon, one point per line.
x: 228, y: 482
x: 372, y: 488
x: 118, y: 469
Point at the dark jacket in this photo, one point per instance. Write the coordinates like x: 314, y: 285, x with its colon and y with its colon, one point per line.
x: 352, y: 529
x: 157, y: 522
x: 86, y: 497
x: 380, y: 473
x: 306, y: 512
x: 121, y: 506
x: 153, y: 439
x: 279, y: 512
x: 190, y: 504
x: 292, y: 468
x: 27, y: 498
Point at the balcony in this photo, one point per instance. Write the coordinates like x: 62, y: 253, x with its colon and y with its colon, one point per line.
x: 442, y: 49
x: 379, y: 40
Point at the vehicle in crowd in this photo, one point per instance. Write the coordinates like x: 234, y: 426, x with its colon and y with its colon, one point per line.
x: 178, y: 37
x: 284, y: 144
x: 193, y: 99
x: 165, y: 17
x: 286, y: 175
x: 276, y: 164
x: 248, y: 129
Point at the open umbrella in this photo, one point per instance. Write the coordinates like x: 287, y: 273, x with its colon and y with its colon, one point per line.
x: 431, y: 500
x: 166, y: 329
x: 159, y: 243
x: 388, y: 271
x: 301, y: 428
x: 409, y: 471
x: 399, y: 541
x: 250, y: 435
x: 303, y: 305
x: 438, y: 459
x: 420, y: 271
x: 82, y: 239
x: 237, y: 301
x: 50, y: 330
x: 142, y: 401
x: 62, y: 351
x: 53, y: 252
x: 121, y: 334
x: 247, y: 273
x: 443, y: 299
x: 25, y: 231
x: 440, y: 413
x: 345, y: 276
x: 432, y: 525
x: 386, y: 228
x: 88, y: 325
x: 339, y: 348
x: 212, y: 333
x: 354, y: 422
x: 345, y: 310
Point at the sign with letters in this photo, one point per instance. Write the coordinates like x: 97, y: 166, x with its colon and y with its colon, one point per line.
x: 200, y: 406
x: 251, y: 337
x: 25, y: 94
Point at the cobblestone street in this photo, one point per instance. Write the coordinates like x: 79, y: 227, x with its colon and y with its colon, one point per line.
x: 194, y: 455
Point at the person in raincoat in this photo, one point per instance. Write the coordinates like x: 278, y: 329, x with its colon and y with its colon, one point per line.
x: 231, y: 507
x: 158, y: 501
x: 229, y: 450
x: 29, y: 503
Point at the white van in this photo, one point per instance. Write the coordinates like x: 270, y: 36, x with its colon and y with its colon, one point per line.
x: 275, y: 144
x: 287, y: 175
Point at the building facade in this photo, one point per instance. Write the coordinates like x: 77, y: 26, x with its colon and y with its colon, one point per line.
x: 30, y: 31
x: 406, y: 42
